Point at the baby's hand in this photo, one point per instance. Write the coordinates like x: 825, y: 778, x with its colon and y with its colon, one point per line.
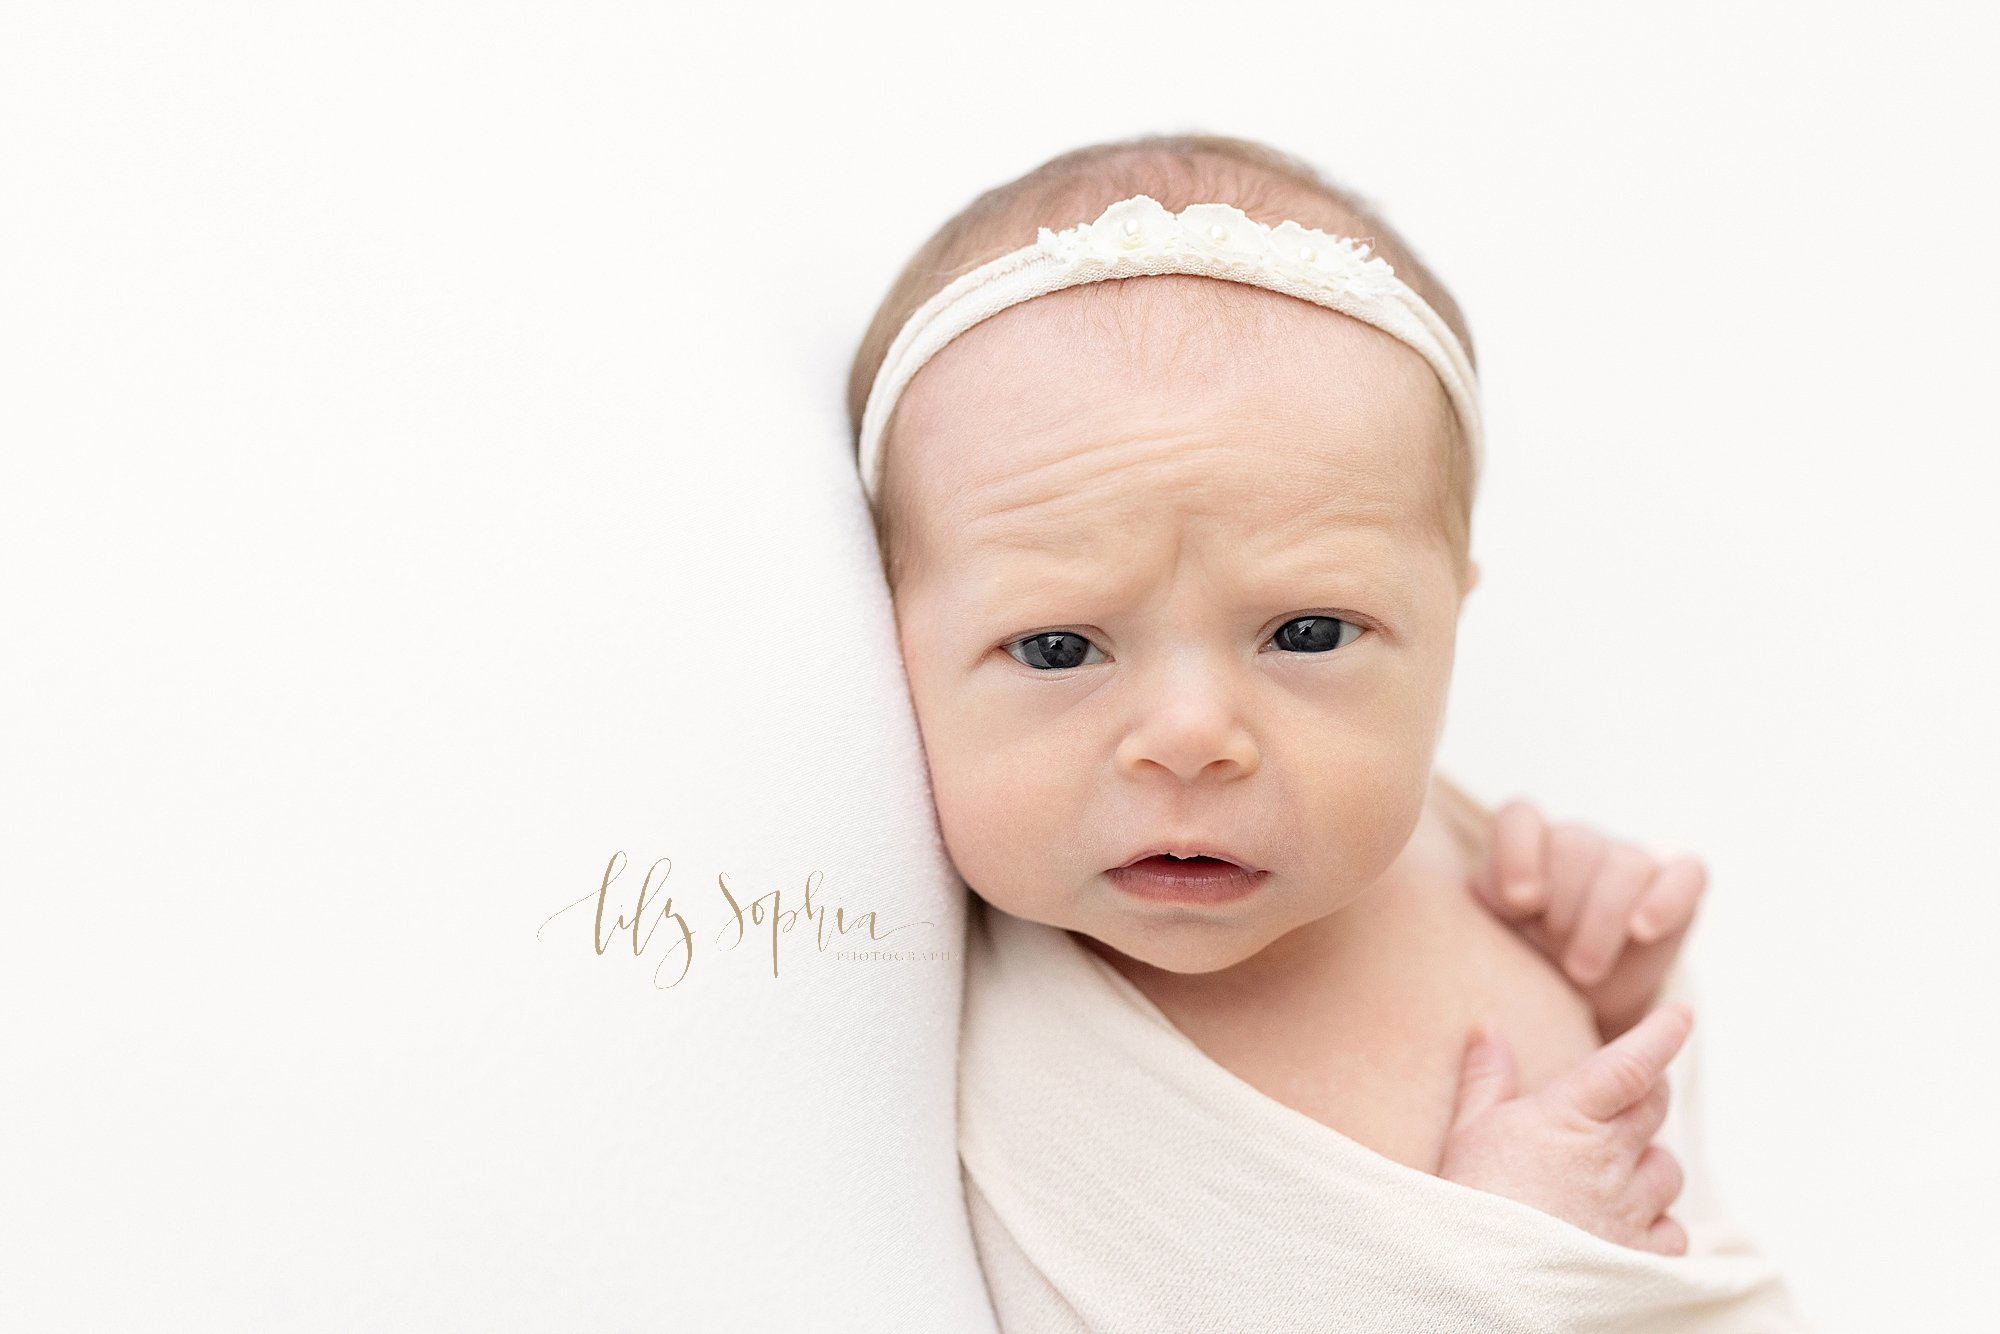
x: 1578, y: 896
x: 1581, y: 1147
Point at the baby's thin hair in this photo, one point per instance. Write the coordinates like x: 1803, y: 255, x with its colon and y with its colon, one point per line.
x: 1267, y: 183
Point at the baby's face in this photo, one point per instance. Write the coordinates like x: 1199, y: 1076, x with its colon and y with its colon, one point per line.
x: 1122, y: 523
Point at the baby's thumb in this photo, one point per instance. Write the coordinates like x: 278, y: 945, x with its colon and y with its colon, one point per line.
x: 1486, y: 1077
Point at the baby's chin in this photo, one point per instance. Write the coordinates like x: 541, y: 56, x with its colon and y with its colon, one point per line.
x: 1186, y: 948
x: 1177, y: 940
x: 1185, y: 938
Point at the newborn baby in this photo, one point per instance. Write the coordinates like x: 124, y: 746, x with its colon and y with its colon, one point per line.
x: 1177, y: 566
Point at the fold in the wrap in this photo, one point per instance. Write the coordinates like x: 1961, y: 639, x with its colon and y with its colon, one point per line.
x: 1118, y: 1178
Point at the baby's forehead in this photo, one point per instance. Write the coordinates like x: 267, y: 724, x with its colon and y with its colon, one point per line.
x: 1238, y: 494
x: 1030, y: 542
x: 1111, y: 405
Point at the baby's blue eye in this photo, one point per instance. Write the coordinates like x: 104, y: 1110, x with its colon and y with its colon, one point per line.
x: 1316, y: 634
x: 1059, y: 650
x: 1053, y: 651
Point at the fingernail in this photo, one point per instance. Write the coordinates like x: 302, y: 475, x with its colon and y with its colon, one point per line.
x: 1644, y: 929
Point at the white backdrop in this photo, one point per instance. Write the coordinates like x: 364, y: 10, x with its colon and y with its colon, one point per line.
x: 412, y: 410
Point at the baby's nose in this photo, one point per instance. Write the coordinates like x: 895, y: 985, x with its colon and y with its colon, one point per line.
x: 1190, y: 724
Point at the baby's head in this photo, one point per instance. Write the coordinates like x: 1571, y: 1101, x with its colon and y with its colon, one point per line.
x: 1177, y: 562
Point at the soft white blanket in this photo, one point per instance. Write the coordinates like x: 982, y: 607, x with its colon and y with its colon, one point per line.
x: 1120, y: 1179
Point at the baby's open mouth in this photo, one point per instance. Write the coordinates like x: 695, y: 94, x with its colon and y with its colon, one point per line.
x: 1167, y: 862
x: 1187, y: 856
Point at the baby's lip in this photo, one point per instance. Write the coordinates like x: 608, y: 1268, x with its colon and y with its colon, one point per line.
x: 1191, y: 848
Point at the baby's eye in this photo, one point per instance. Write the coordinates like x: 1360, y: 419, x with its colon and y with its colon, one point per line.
x: 1054, y: 651
x: 1315, y: 634
x: 1059, y: 650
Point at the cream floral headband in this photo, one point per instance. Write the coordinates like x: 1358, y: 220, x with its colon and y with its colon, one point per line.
x: 1139, y: 236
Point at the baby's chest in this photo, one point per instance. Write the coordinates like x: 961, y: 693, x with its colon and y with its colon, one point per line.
x: 1380, y: 1059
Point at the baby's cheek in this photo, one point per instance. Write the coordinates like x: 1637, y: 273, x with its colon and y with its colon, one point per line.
x: 1001, y: 828
x: 1360, y: 803
x: 965, y: 794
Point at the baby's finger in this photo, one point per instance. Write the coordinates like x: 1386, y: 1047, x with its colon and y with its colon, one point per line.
x: 1657, y: 1180
x: 1669, y: 903
x: 1643, y: 1119
x: 1575, y: 851
x: 1520, y: 845
x: 1619, y: 1073
x: 1623, y: 878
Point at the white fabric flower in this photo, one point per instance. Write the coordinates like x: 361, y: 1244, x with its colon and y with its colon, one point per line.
x: 1224, y: 236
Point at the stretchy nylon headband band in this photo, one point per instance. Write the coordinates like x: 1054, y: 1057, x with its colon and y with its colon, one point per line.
x: 1139, y: 236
